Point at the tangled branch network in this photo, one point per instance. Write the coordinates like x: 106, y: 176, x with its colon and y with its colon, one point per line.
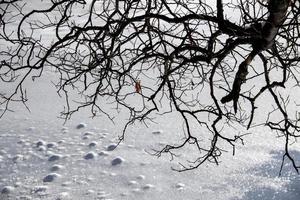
x: 215, y: 63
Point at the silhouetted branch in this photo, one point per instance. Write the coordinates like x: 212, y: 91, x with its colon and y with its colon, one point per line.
x: 156, y: 57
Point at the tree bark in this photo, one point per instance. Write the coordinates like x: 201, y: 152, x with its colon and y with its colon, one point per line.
x: 277, y: 15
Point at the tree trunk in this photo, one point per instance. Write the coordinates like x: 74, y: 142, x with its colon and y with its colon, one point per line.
x: 277, y: 14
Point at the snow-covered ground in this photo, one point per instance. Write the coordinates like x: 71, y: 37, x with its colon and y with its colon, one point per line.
x: 43, y: 158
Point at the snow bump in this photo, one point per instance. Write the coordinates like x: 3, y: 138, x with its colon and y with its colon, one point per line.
x: 7, y: 190
x: 90, y: 155
x: 117, y: 161
x: 51, y: 177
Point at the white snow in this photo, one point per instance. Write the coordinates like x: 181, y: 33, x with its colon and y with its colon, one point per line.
x: 132, y: 183
x: 64, y: 195
x: 42, y: 148
x: 3, y: 152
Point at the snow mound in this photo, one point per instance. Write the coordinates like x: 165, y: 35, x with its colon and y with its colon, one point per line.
x: 18, y: 158
x: 39, y: 189
x: 42, y: 148
x: 54, y: 157
x: 40, y: 143
x: 132, y: 183
x: 63, y: 196
x: 66, y: 184
x: 141, y: 177
x: 117, y: 161
x: 56, y: 168
x: 7, y: 190
x: 103, y: 153
x: 157, y: 132
x: 88, y: 133
x: 92, y: 144
x: 51, y: 177
x: 31, y: 128
x: 180, y: 185
x: 3, y: 152
x: 81, y: 125
x: 51, y: 145
x: 90, y: 155
x: 111, y: 147
x: 148, y: 186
